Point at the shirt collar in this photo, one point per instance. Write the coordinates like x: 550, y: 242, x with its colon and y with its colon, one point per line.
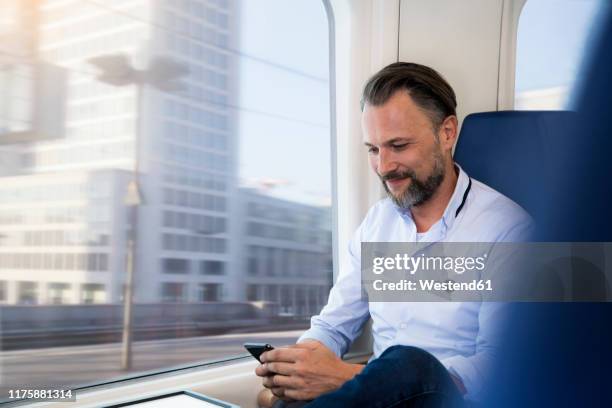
x: 456, y: 200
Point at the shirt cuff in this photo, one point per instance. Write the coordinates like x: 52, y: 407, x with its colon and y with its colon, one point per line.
x: 324, y: 337
x: 463, y: 368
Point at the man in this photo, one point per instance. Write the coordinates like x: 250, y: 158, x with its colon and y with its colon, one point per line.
x: 425, y: 354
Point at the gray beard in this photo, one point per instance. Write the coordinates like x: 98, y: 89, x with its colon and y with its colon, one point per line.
x: 418, y: 192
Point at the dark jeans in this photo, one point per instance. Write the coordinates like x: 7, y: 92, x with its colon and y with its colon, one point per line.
x: 401, y: 377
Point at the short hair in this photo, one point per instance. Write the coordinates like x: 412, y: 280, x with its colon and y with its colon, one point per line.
x: 427, y: 88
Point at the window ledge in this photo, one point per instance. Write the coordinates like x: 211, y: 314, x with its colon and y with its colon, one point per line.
x: 234, y: 382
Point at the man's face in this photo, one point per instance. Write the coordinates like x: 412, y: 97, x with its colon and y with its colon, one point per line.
x: 404, y: 150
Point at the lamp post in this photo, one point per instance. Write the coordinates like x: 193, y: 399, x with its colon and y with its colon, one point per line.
x: 163, y: 74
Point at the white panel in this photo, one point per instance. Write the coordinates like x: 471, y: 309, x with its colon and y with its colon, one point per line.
x: 366, y: 39
x: 366, y: 34
x: 459, y: 39
x: 183, y: 401
x: 507, y: 69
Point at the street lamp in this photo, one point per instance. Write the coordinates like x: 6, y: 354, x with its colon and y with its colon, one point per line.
x: 163, y: 74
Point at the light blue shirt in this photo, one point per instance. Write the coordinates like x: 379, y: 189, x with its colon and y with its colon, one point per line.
x: 462, y: 335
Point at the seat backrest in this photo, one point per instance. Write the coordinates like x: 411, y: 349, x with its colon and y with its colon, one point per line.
x: 560, y: 355
x: 515, y: 152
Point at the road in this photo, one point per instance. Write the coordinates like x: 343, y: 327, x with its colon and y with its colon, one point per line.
x: 79, y: 365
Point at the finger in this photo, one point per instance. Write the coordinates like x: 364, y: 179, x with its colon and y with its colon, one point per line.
x: 280, y: 368
x: 278, y: 391
x: 262, y: 370
x: 285, y: 382
x: 271, y: 381
x: 287, y: 355
x: 267, y: 382
x: 295, y: 394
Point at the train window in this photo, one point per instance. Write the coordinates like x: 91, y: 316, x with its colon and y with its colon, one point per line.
x: 182, y: 177
x: 552, y: 37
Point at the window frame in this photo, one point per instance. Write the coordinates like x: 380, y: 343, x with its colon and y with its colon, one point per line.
x: 154, y: 382
x: 518, y: 10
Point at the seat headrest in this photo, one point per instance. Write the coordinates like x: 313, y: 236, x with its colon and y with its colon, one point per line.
x: 514, y: 152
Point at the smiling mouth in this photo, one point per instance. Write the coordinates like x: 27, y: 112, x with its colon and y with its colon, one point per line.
x: 396, y: 182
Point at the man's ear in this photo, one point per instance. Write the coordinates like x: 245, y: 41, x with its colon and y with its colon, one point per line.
x: 447, y: 132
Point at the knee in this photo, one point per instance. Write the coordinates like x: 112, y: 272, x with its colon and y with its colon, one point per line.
x: 414, y: 359
x: 409, y: 353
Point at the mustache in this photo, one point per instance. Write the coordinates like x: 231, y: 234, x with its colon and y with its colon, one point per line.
x: 392, y: 175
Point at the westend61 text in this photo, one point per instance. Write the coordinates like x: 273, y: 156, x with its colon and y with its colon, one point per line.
x: 432, y: 285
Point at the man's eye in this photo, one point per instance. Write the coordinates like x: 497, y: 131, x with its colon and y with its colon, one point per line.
x: 373, y: 150
x: 399, y: 146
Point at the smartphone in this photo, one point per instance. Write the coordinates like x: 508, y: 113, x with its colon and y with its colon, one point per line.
x: 256, y: 349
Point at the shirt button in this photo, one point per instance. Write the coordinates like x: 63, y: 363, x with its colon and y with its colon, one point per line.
x: 403, y: 326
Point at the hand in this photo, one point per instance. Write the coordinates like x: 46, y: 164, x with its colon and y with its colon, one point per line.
x: 304, y: 371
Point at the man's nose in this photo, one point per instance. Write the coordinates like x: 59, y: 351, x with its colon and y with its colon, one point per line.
x: 386, y: 163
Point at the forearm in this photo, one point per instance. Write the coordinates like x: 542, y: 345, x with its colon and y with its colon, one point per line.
x: 326, y: 336
x: 339, y: 323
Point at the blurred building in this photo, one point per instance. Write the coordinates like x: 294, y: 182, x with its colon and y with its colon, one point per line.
x: 285, y: 249
x: 63, y: 220
x: 58, y: 234
x: 31, y: 93
x: 186, y: 149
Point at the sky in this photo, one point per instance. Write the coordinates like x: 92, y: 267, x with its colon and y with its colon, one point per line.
x: 551, y: 40
x: 295, y: 156
x: 290, y: 152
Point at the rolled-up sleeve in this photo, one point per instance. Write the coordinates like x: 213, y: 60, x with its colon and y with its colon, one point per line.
x: 342, y: 319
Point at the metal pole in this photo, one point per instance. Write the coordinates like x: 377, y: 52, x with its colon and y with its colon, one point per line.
x: 126, y: 357
x: 133, y: 201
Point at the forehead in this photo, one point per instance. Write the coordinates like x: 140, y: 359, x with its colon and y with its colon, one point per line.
x: 398, y: 117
